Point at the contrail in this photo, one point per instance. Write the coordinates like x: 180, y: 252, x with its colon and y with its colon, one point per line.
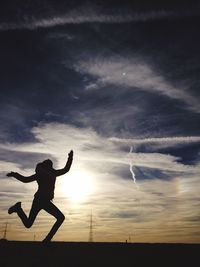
x: 131, y: 166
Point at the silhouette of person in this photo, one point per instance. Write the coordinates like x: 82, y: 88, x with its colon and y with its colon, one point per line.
x: 45, y: 175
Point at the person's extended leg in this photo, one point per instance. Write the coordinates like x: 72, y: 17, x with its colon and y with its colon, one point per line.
x: 28, y: 221
x: 53, y: 210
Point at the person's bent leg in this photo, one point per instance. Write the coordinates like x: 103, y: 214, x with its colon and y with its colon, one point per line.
x: 28, y: 221
x: 53, y: 210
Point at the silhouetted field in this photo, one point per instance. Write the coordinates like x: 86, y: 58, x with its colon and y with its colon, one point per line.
x: 71, y: 254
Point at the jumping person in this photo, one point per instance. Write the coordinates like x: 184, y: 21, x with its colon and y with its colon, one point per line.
x: 45, y: 175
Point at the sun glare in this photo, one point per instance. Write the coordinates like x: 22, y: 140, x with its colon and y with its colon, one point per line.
x: 77, y: 186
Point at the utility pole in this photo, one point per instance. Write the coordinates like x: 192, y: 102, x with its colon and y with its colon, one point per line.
x: 91, y: 229
x: 5, y: 231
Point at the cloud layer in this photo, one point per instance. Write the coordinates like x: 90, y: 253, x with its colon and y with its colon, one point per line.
x: 142, y: 207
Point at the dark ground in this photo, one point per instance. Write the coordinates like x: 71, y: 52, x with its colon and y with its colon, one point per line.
x: 13, y: 253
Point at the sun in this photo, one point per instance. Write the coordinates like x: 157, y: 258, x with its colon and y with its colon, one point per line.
x: 77, y: 185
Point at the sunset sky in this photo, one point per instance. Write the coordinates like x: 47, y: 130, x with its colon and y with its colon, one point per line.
x: 117, y: 82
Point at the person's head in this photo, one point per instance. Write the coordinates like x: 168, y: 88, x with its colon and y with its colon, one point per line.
x: 48, y: 164
x: 44, y: 166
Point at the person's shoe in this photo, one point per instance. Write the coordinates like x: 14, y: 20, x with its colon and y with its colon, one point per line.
x: 46, y: 241
x: 14, y: 208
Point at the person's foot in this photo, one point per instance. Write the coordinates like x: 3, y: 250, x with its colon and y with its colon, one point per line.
x: 14, y: 208
x: 46, y: 240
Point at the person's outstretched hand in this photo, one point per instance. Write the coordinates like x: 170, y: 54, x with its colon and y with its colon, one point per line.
x: 71, y: 153
x: 11, y: 174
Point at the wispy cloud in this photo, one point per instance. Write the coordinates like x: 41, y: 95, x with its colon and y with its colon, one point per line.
x: 134, y: 73
x: 165, y: 141
x: 5, y: 166
x: 90, y: 13
x: 55, y: 139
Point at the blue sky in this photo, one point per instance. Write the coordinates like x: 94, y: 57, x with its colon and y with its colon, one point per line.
x: 119, y: 84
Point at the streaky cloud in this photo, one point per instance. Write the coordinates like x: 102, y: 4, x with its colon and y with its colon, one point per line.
x: 133, y: 72
x: 163, y: 140
x: 91, y: 14
x: 56, y: 139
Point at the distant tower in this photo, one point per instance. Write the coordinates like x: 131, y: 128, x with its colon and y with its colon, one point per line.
x: 5, y: 231
x: 91, y: 229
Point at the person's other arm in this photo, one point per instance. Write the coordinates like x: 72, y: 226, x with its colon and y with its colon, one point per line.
x: 67, y: 166
x: 23, y: 179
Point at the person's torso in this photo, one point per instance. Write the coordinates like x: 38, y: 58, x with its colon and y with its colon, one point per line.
x: 46, y: 185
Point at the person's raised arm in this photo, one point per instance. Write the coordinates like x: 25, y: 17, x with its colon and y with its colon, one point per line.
x: 67, y: 166
x: 23, y: 179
